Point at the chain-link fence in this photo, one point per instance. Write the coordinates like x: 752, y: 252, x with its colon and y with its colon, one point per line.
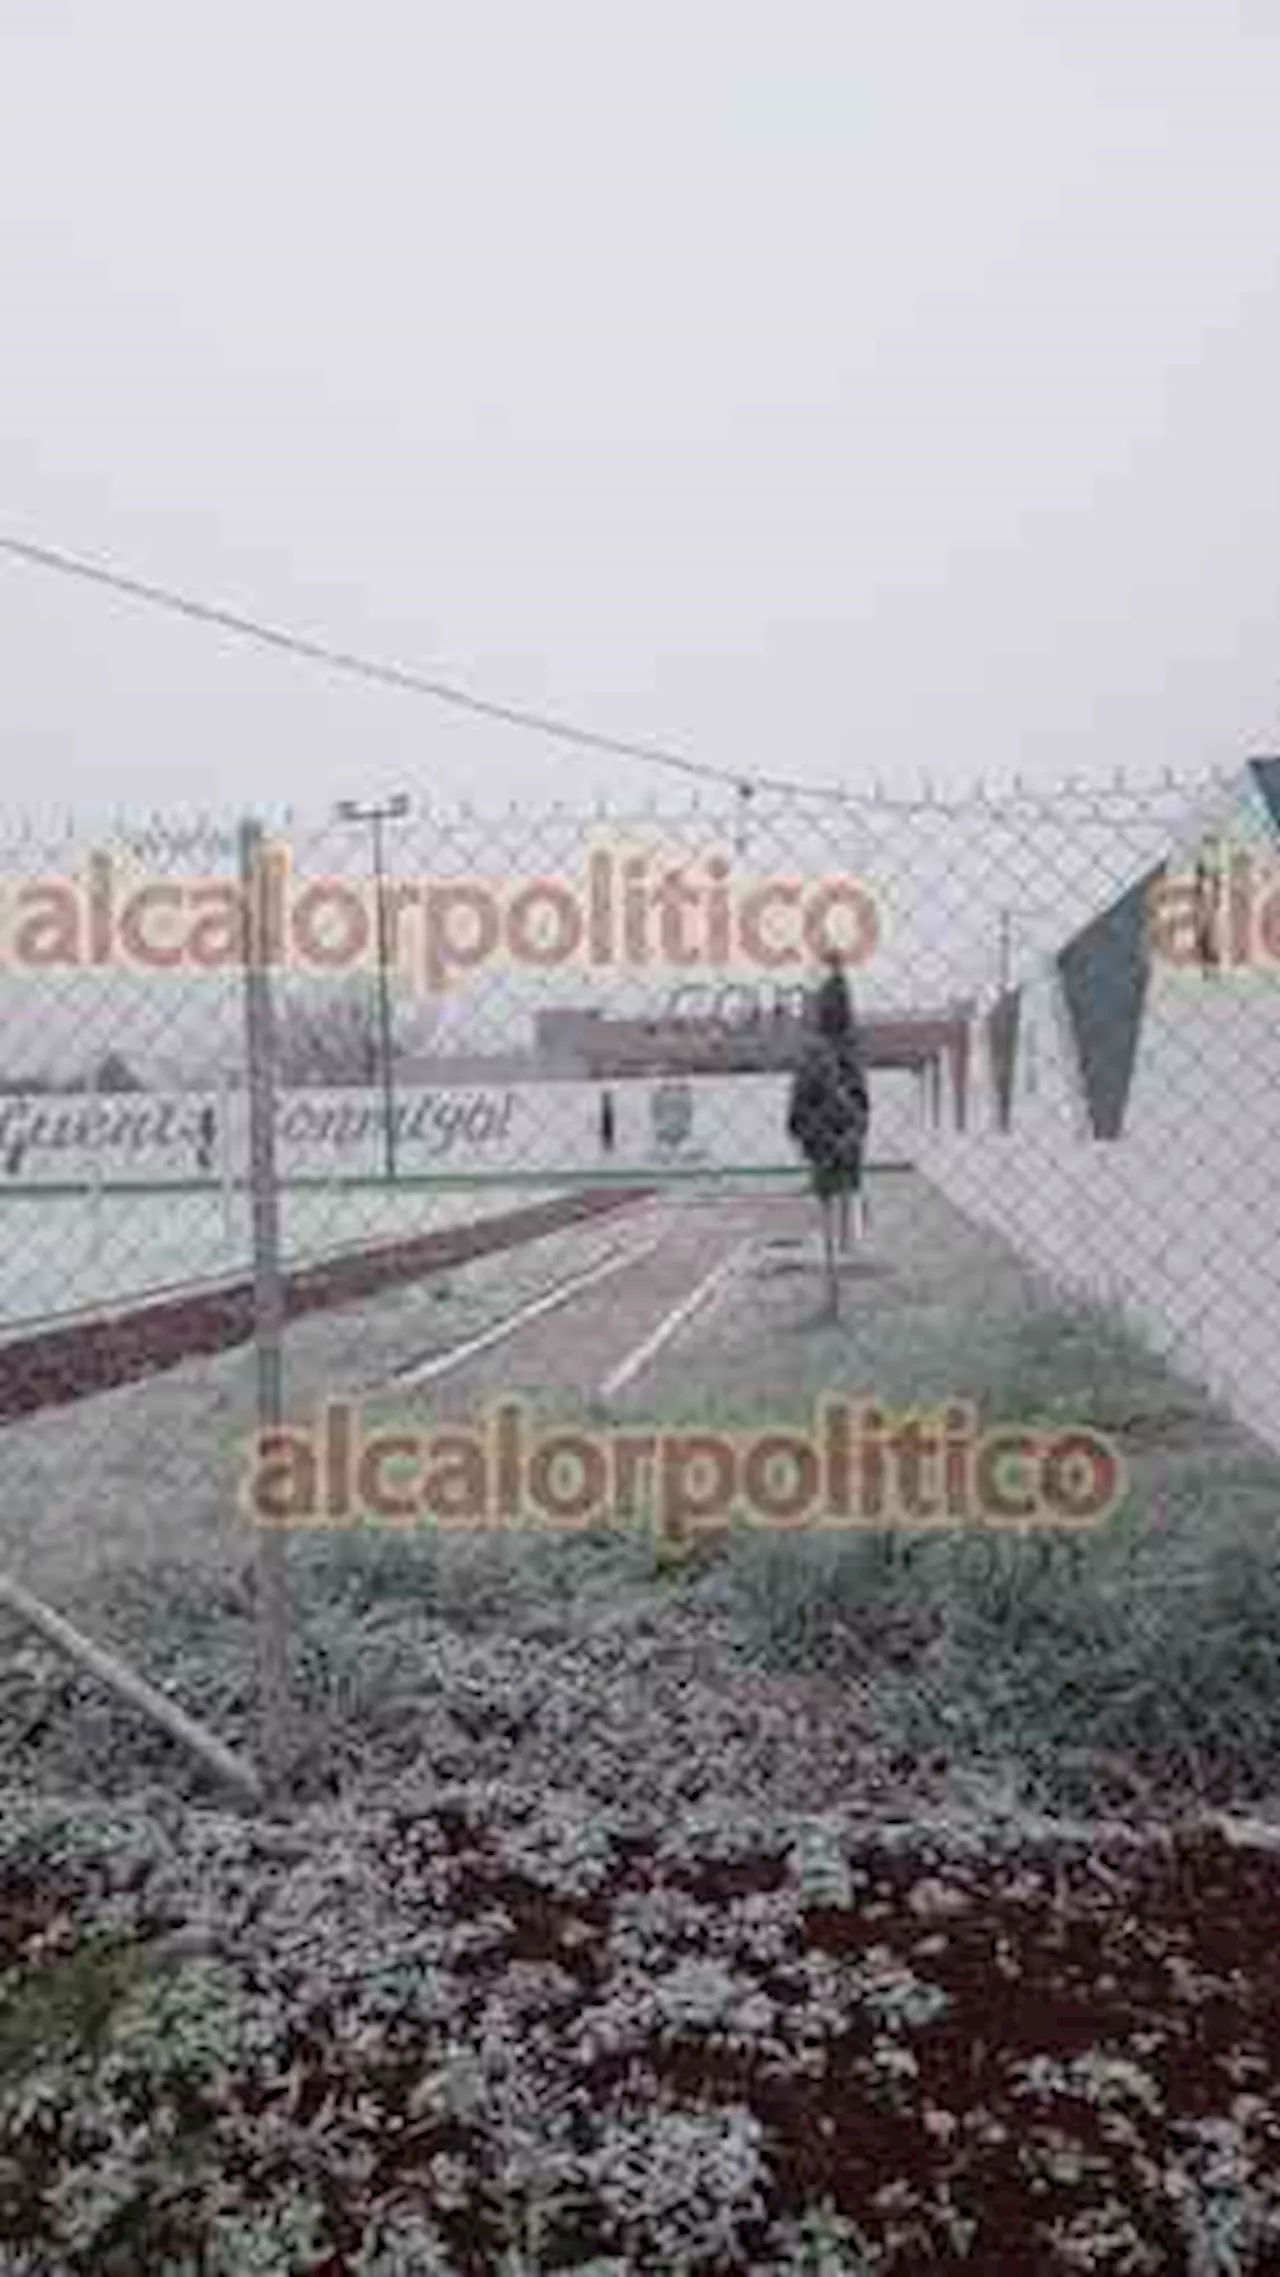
x: 299, y: 1110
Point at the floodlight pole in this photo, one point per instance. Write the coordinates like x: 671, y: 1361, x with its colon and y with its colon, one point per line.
x: 377, y: 815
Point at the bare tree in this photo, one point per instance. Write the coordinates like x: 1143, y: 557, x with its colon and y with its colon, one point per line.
x: 115, y: 1074
x: 327, y: 1035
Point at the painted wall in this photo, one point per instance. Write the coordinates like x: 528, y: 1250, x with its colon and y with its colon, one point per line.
x: 544, y: 1130
x: 1176, y: 1220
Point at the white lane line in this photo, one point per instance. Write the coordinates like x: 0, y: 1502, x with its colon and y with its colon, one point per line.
x: 424, y: 1371
x: 670, y: 1323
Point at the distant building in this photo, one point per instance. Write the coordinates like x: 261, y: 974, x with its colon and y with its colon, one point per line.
x: 423, y: 1070
x: 590, y: 1046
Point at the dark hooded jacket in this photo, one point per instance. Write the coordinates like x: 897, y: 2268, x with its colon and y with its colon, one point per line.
x: 830, y: 1104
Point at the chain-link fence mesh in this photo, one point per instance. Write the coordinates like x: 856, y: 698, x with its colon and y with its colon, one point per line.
x: 508, y: 1059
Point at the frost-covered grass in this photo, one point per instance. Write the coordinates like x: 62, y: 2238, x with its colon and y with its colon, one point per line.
x: 468, y: 2029
x: 1136, y: 1662
x: 601, y: 1940
x: 149, y: 1473
x: 681, y: 1916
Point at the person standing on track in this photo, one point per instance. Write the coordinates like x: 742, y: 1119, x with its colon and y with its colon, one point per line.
x: 206, y: 1133
x: 828, y: 1117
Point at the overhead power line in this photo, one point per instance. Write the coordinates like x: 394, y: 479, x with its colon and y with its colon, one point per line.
x: 546, y: 724
x: 361, y: 667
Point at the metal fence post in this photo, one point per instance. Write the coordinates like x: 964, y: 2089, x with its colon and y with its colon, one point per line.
x: 97, y: 1172
x: 268, y: 1303
x: 226, y: 1156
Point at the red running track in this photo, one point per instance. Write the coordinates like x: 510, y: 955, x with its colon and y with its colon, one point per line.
x: 54, y: 1366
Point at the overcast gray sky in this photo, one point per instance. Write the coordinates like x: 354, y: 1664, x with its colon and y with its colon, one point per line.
x: 840, y: 390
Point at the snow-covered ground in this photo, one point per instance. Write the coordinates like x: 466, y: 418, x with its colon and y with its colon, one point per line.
x: 62, y: 1255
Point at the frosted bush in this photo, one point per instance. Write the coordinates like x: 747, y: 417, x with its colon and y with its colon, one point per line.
x: 403, y: 2246
x: 281, y: 2237
x: 680, y: 2187
x: 566, y: 1846
x: 819, y: 1866
x: 821, y: 2243
x: 895, y: 1995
